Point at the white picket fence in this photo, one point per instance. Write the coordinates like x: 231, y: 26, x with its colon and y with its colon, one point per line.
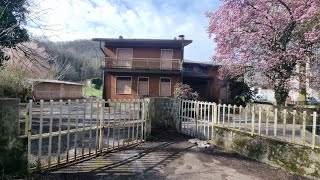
x: 294, y: 125
x: 62, y: 132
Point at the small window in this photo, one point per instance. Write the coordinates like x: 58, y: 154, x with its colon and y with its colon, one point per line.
x: 123, y: 85
x: 165, y: 86
x: 143, y: 86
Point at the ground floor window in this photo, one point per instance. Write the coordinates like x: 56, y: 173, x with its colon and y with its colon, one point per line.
x: 123, y: 84
x: 143, y: 86
x: 165, y: 86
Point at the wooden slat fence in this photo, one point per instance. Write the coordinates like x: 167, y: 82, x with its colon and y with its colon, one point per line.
x: 294, y: 125
x: 65, y: 131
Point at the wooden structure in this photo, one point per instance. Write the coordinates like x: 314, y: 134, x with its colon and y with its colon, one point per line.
x: 55, y: 90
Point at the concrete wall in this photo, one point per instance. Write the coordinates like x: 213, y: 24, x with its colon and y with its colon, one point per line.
x: 56, y: 91
x: 163, y: 115
x: 13, y: 150
x: 294, y: 158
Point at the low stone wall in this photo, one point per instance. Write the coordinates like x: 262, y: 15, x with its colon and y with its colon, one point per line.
x: 13, y: 150
x: 294, y: 158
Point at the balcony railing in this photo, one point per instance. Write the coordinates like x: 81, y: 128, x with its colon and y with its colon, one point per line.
x: 142, y: 63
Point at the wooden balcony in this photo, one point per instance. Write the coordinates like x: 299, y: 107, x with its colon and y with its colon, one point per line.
x: 142, y: 64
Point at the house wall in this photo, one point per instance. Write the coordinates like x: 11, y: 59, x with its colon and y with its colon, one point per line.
x: 56, y: 91
x: 145, y: 52
x: 154, y: 85
x: 211, y: 89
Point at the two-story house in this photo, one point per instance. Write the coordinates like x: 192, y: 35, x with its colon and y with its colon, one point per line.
x: 135, y: 68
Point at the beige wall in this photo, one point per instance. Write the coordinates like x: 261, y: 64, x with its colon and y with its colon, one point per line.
x: 56, y: 91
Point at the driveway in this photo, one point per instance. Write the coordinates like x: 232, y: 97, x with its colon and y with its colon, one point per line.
x: 170, y: 159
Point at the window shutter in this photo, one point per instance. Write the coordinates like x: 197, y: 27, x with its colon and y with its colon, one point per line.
x: 124, y: 57
x: 143, y: 88
x: 165, y: 87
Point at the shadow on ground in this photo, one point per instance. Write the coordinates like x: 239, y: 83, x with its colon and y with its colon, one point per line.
x: 173, y: 158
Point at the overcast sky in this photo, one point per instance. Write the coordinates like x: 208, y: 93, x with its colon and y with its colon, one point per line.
x: 165, y: 19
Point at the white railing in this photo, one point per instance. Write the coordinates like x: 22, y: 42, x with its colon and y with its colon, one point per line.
x: 61, y: 132
x: 293, y: 125
x: 142, y: 63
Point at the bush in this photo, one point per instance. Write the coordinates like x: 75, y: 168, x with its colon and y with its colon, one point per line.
x: 13, y: 84
x: 97, y: 83
x: 184, y: 91
x: 240, y: 93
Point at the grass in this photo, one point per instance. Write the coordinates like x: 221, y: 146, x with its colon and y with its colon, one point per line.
x: 92, y: 92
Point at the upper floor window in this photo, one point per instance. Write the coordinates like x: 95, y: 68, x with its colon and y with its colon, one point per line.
x: 166, y: 58
x: 124, y: 57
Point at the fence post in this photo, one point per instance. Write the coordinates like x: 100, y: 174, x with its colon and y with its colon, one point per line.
x: 179, y: 124
x: 259, y: 130
x: 234, y: 116
x: 29, y: 124
x: 284, y: 124
x: 240, y: 116
x: 101, y: 126
x: 293, y: 125
x: 214, y: 118
x: 304, y: 117
x: 314, y: 126
x: 252, y: 120
x: 275, y: 121
x: 267, y: 121
x: 229, y: 107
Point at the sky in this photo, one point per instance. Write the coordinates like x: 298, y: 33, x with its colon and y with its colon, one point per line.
x: 65, y: 20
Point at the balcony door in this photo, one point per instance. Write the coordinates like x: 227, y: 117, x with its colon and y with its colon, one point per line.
x: 124, y: 57
x: 166, y: 59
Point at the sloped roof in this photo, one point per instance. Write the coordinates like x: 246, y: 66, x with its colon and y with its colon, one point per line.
x: 54, y: 81
x: 184, y: 42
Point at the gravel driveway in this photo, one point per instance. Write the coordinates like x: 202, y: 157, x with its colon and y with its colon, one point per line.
x: 170, y: 159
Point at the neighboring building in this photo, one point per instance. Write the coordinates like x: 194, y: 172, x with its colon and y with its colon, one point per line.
x: 136, y: 68
x: 203, y: 78
x: 55, y: 90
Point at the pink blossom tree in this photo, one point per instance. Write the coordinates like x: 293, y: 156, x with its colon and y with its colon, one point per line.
x: 272, y: 37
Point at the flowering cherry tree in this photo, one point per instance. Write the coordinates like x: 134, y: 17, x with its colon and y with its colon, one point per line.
x: 272, y: 37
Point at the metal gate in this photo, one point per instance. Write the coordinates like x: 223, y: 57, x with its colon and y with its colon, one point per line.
x: 67, y: 131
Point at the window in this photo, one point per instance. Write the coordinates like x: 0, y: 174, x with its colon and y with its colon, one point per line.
x: 166, y: 59
x: 123, y: 85
x: 124, y: 57
x: 143, y: 86
x: 165, y: 86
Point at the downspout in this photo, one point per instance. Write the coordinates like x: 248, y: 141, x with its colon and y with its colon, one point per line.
x: 182, y: 50
x: 103, y: 80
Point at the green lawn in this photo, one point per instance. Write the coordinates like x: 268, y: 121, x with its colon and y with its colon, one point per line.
x: 92, y: 92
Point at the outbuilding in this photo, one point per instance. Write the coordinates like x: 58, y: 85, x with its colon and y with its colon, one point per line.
x: 53, y: 89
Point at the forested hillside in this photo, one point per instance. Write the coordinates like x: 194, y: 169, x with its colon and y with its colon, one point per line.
x: 77, y: 60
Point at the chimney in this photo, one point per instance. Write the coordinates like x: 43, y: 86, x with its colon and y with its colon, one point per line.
x: 181, y: 37
x: 120, y: 37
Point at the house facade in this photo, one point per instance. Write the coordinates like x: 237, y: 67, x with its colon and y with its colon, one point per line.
x: 203, y: 78
x: 137, y: 68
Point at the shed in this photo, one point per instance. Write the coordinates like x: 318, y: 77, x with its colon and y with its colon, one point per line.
x: 53, y: 89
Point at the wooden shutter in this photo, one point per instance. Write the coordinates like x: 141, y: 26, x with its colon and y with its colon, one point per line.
x: 123, y: 85
x: 166, y: 59
x: 143, y: 86
x: 124, y: 57
x: 165, y: 86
